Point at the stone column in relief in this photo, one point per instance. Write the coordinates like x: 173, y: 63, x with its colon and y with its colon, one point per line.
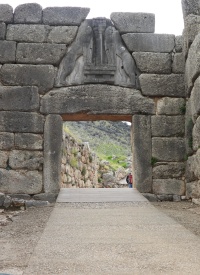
x: 142, y: 152
x: 52, y: 153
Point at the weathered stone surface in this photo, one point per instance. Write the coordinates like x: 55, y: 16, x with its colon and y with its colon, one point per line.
x: 178, y: 65
x: 169, y: 186
x: 193, y: 189
x: 19, y: 98
x: 6, y: 13
x: 150, y: 197
x: 188, y: 128
x: 31, y: 160
x: 96, y: 99
x: 192, y: 167
x: 195, y: 100
x: 28, y: 141
x: 21, y: 122
x: 21, y: 182
x: 179, y: 44
x: 28, y: 13
x: 7, y: 202
x: 169, y: 170
x: 192, y: 68
x: 27, y: 33
x: 62, y: 34
x: 52, y: 153
x: 4, y: 159
x: 7, y: 51
x: 176, y: 198
x: 36, y: 53
x: 153, y: 62
x: 2, y: 31
x: 18, y: 202
x: 70, y: 16
x: 28, y: 75
x: 50, y: 197
x: 33, y: 203
x: 165, y: 197
x: 141, y: 144
x: 128, y: 22
x: 20, y: 196
x: 171, y: 106
x: 168, y: 149
x: 2, y: 198
x: 162, y: 85
x: 6, y: 141
x: 196, y: 135
x: 146, y: 42
x: 167, y: 126
x: 190, y: 7
x: 192, y: 28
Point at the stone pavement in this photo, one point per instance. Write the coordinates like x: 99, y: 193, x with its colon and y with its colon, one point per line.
x: 113, y: 237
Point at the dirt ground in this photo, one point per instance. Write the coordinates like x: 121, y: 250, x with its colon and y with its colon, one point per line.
x: 19, y: 236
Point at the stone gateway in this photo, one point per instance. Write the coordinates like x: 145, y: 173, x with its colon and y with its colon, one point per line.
x: 56, y: 65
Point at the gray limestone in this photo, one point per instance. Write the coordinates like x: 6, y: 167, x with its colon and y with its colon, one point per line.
x: 193, y: 189
x: 141, y: 144
x: 4, y: 155
x: 52, y: 153
x: 196, y: 135
x: 20, y: 196
x: 50, y: 197
x: 6, y: 141
x: 195, y: 100
x: 169, y: 186
x: 28, y: 141
x: 147, y: 62
x: 33, y: 203
x: 178, y: 65
x: 128, y: 22
x: 28, y: 13
x: 40, y: 53
x: 30, y: 160
x: 162, y: 85
x: 165, y: 170
x: 71, y: 16
x: 27, y: 33
x: 167, y: 126
x: 146, y: 42
x: 28, y: 182
x: 41, y: 76
x: 179, y: 44
x: 190, y: 7
x: 191, y: 29
x: 21, y: 122
x: 165, y: 197
x: 171, y: 106
x: 168, y: 149
x: 62, y: 34
x: 188, y: 128
x: 19, y: 98
x: 2, y: 31
x: 7, y: 51
x: 192, y: 168
x: 150, y: 197
x: 6, y: 13
x: 96, y: 99
x: 2, y: 198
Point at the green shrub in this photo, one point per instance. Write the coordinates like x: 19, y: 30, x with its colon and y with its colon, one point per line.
x: 183, y: 109
x: 90, y: 158
x: 83, y: 171
x: 73, y: 162
x: 153, y: 161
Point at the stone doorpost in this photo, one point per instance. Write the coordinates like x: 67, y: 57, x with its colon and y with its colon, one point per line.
x: 141, y: 149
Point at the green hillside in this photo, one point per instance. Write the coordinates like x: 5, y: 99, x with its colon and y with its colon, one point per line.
x: 110, y: 140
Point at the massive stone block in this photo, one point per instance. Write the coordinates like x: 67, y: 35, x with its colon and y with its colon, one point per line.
x: 30, y: 160
x: 141, y: 144
x: 6, y: 141
x: 168, y: 170
x: 96, y: 99
x: 169, y: 186
x: 179, y: 43
x: 28, y: 141
x: 70, y: 16
x: 153, y: 62
x: 190, y: 7
x: 195, y: 100
x: 167, y: 126
x: 19, y: 98
x: 168, y: 149
x: 196, y: 135
x: 128, y: 22
x: 21, y: 122
x: 146, y: 42
x: 27, y: 33
x: 7, y: 51
x: 171, y: 106
x: 2, y: 31
x: 37, y: 53
x: 41, y: 76
x: 188, y: 128
x: 28, y: 13
x: 178, y: 65
x: 6, y: 13
x: 20, y: 182
x: 4, y: 159
x: 192, y: 167
x: 52, y: 153
x: 193, y: 189
x: 162, y: 85
x: 191, y: 29
x: 62, y: 34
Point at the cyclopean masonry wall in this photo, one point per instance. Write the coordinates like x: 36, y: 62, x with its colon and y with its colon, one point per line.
x: 56, y: 66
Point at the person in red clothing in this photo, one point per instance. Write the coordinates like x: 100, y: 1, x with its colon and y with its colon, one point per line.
x: 129, y: 180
